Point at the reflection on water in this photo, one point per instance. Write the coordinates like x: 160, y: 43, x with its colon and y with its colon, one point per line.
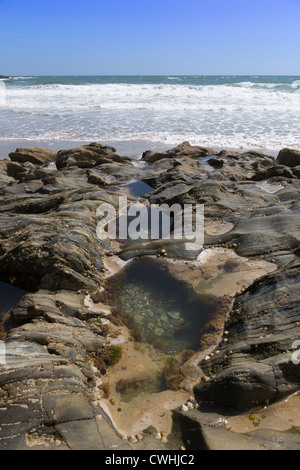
x: 9, y: 296
x: 139, y: 188
x: 131, y: 389
x: 164, y: 311
x: 135, y: 188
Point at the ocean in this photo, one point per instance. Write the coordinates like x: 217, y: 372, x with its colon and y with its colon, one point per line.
x: 236, y: 112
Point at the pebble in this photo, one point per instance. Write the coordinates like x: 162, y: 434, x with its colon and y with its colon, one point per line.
x: 139, y: 437
x: 164, y: 440
x: 190, y: 405
x: 132, y: 439
x: 184, y: 408
x: 206, y: 358
x: 158, y: 436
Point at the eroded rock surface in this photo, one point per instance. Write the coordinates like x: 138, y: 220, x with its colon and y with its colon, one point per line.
x: 48, y: 245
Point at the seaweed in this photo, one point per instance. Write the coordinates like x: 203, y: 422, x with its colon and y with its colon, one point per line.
x: 106, y: 389
x: 173, y: 374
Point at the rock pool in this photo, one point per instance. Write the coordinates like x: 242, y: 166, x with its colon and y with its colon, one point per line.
x: 165, y: 311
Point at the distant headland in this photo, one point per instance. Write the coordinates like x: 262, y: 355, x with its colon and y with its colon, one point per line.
x: 3, y: 77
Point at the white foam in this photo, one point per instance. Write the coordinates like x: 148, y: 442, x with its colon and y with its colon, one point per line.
x: 241, y: 115
x: 295, y: 84
x: 246, y: 96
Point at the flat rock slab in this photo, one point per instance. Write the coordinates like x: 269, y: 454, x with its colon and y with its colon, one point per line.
x: 37, y: 156
x: 207, y: 431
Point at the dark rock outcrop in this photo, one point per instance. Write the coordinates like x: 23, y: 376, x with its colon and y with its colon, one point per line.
x: 182, y: 150
x: 255, y: 364
x: 289, y: 157
x: 88, y: 156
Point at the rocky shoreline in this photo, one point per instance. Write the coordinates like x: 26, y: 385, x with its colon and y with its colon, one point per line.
x: 60, y: 343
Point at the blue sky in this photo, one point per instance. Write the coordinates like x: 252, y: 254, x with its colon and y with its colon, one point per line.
x: 149, y: 37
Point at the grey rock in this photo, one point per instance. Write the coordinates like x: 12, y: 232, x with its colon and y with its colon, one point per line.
x: 289, y: 157
x: 35, y: 155
x: 184, y: 149
x: 88, y: 156
x: 259, y: 363
x: 203, y: 430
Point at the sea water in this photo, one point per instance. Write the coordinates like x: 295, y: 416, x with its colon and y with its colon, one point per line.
x: 237, y: 112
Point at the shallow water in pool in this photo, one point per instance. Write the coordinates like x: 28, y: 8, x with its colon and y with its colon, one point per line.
x: 164, y: 310
x: 9, y: 297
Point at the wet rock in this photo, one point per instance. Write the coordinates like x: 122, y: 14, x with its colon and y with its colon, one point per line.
x: 206, y: 430
x: 289, y: 157
x: 216, y: 162
x: 274, y: 171
x: 37, y: 156
x: 184, y: 149
x: 16, y: 170
x: 262, y: 336
x: 48, y: 243
x: 258, y: 155
x: 229, y: 154
x: 94, y: 177
x: 88, y: 156
x: 296, y: 171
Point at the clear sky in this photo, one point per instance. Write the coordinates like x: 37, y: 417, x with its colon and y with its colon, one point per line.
x: 149, y: 37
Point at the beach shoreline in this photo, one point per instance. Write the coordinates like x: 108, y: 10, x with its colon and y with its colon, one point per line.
x: 130, y: 148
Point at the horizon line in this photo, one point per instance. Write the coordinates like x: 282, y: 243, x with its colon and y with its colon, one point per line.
x: 156, y: 75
